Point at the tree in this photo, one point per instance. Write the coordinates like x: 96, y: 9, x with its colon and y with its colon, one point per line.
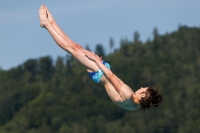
x: 59, y: 65
x: 111, y: 42
x: 46, y: 67
x: 16, y: 73
x: 124, y: 47
x: 100, y: 50
x: 31, y: 66
x: 155, y: 33
x: 87, y: 47
x: 136, y: 37
x: 69, y: 60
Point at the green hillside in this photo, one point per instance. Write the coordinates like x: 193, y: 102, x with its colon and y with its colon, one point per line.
x: 47, y: 96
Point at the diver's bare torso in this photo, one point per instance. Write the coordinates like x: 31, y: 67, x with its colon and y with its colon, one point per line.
x: 123, y: 99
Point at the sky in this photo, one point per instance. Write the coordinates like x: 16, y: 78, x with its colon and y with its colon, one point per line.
x: 86, y: 22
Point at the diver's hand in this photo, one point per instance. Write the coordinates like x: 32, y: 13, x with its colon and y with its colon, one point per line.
x: 92, y: 56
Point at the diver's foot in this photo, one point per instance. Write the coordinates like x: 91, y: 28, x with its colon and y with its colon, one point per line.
x: 43, y: 16
x: 49, y: 15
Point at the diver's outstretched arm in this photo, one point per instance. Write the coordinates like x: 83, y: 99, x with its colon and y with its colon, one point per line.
x: 63, y: 40
x: 110, y: 76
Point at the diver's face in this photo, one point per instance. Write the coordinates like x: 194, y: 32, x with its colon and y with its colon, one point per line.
x: 141, y: 92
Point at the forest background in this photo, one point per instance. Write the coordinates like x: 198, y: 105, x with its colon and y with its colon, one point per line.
x: 47, y: 96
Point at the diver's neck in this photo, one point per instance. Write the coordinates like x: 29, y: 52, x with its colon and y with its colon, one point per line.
x: 136, y: 99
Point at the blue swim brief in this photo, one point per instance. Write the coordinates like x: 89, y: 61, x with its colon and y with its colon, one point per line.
x: 96, y: 76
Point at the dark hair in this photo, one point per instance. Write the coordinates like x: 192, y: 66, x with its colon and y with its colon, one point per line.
x: 152, y: 98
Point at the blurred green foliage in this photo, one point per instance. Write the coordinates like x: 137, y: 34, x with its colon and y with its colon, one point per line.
x: 40, y: 96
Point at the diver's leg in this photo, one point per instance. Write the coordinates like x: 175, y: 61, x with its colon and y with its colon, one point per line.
x: 53, y: 23
x: 64, y: 41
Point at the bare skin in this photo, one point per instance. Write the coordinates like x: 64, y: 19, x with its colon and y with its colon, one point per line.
x: 63, y: 40
x: 116, y: 89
